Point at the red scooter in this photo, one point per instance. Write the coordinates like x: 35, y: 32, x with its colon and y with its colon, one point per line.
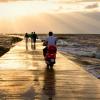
x: 50, y: 55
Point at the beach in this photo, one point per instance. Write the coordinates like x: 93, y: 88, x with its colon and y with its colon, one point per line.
x: 6, y: 42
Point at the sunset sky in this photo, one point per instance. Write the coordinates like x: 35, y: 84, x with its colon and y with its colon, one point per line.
x: 60, y: 16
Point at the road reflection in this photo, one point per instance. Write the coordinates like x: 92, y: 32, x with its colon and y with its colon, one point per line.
x: 49, y: 83
x: 16, y: 85
x: 26, y: 46
x: 33, y: 46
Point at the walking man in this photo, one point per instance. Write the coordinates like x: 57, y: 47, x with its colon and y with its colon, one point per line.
x: 33, y: 40
x: 26, y: 40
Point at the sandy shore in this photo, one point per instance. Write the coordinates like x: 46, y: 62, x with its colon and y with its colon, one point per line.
x: 6, y: 42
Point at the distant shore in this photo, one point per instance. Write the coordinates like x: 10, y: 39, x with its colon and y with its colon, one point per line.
x: 6, y: 42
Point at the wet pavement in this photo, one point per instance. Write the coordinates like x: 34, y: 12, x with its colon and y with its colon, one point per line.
x: 24, y: 76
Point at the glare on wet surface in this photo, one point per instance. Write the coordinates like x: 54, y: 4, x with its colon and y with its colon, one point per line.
x: 20, y: 58
x: 23, y: 76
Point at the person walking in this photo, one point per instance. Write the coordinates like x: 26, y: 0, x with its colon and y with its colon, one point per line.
x: 33, y: 40
x: 26, y: 40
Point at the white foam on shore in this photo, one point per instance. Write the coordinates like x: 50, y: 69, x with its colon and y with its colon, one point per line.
x: 78, y: 50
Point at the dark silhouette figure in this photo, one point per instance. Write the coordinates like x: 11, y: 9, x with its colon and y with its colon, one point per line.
x: 26, y: 40
x: 33, y: 40
x: 49, y: 83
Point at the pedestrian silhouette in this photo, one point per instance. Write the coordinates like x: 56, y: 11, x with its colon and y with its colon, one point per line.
x: 33, y: 40
x: 26, y: 40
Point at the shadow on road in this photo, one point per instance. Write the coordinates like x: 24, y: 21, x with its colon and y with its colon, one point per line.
x: 49, y: 83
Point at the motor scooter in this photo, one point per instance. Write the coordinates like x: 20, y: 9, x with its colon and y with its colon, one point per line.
x: 50, y: 56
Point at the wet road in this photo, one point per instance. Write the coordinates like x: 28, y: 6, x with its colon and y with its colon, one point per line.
x: 23, y: 76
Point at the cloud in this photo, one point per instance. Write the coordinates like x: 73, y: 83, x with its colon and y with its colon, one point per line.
x: 59, y: 1
x: 21, y: 0
x: 7, y: 0
x: 72, y: 1
x: 91, y: 6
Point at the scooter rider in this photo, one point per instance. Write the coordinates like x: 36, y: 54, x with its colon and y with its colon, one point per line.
x: 51, y: 40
